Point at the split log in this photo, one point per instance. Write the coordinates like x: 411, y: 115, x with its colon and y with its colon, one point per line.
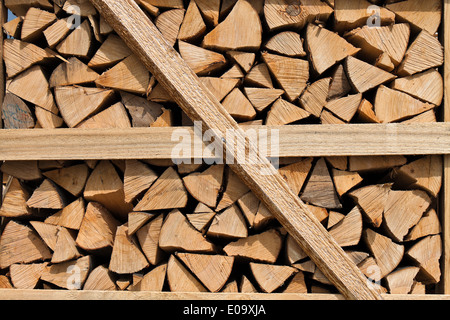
x: 319, y: 190
x: 70, y: 98
x: 105, y: 187
x: 72, y: 72
x: 144, y: 113
x: 246, y: 286
x: 71, y: 179
x: 259, y: 76
x: 297, y: 173
x: 270, y: 277
x: 366, y: 112
x: 69, y: 275
x: 26, y: 276
x: 193, y: 25
x: 233, y: 191
x: 16, y: 114
x: 22, y: 170
x: 387, y: 253
x: 229, y: 224
x: 210, y: 9
x: 47, y: 196
x: 137, y: 178
x: 205, y: 186
x: 219, y: 87
x: 14, y: 202
x: 421, y: 15
x: 426, y: 254
x: 390, y: 40
x: 242, y: 17
x: 113, y: 117
x: 100, y: 279
x: 426, y: 86
x: 35, y: 21
x: 350, y: 15
x: 348, y: 231
x: 180, y: 279
x: 212, y: 270
x: 153, y: 280
x: 372, y: 200
x: 112, y: 50
x: 286, y: 43
x: 339, y: 86
x: 70, y: 216
x: 12, y: 27
x: 345, y: 108
x: 169, y: 23
x: 97, y: 229
x: 56, y: 32
x: 424, y: 53
x: 65, y: 247
x: 364, y: 76
x: 402, y: 280
x: 297, y: 284
x: 320, y: 40
x: 128, y: 75
x: 78, y: 42
x: 168, y: 192
x: 291, y: 73
x: 315, y: 96
x: 148, y: 237
x: 403, y: 210
x: 126, y: 256
x: 345, y: 181
x: 201, y: 218
x: 428, y: 225
x: 20, y: 244
x: 281, y: 14
x: 138, y: 219
x: 262, y: 247
x: 244, y: 59
x: 262, y: 98
x: 201, y: 61
x: 425, y: 173
x: 178, y: 234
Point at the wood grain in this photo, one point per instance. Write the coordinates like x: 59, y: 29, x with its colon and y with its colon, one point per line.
x: 268, y: 185
x: 156, y: 143
x: 445, y: 202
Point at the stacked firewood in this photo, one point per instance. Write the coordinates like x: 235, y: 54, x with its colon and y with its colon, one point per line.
x: 271, y: 62
x: 150, y: 226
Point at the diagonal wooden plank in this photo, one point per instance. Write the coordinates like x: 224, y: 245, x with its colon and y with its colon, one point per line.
x: 262, y: 178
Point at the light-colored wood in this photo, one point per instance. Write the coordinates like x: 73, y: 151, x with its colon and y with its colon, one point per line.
x: 19, y: 8
x: 296, y: 174
x: 72, y: 72
x: 401, y: 105
x: 70, y: 216
x: 144, y: 113
x: 315, y: 96
x: 169, y: 23
x: 14, y: 201
x: 345, y: 108
x: 424, y: 53
x: 339, y: 86
x: 261, y: 98
x: 363, y: 76
x: 427, y: 86
x: 168, y: 192
x: 291, y: 73
x: 78, y: 42
x: 320, y: 40
x: 202, y: 61
x: 137, y: 178
x: 286, y: 43
x: 16, y: 235
x: 126, y: 256
x: 180, y: 279
x: 113, y: 117
x: 47, y: 196
x: 65, y: 247
x: 22, y: 170
x: 12, y: 27
x: 178, y: 234
x: 348, y: 231
x: 220, y: 87
x: 345, y: 181
x: 428, y: 225
x: 259, y: 76
x: 244, y: 59
x: 128, y: 75
x: 242, y: 17
x: 210, y: 9
x: 193, y: 25
x: 85, y: 8
x: 422, y: 15
x: 19, y: 55
x: 426, y: 253
x: 361, y: 140
x: 26, y: 276
x: 262, y: 247
x: 205, y: 186
x: 230, y: 224
x: 270, y: 277
x: 35, y: 21
x: 375, y: 163
x: 401, y: 281
x: 112, y: 50
x: 72, y: 179
x: 153, y: 280
x: 61, y: 274
x: 233, y: 191
x: 100, y: 279
x: 16, y: 114
x: 350, y: 15
x: 55, y: 33
x: 97, y: 229
x: 148, y: 237
x: 319, y: 190
x: 391, y: 40
x: 281, y: 14
x: 105, y: 187
x: 212, y: 270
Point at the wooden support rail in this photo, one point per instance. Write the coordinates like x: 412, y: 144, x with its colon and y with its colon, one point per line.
x: 141, y: 35
x: 159, y: 143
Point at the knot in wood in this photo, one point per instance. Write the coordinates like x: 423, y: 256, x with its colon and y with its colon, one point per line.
x: 293, y: 10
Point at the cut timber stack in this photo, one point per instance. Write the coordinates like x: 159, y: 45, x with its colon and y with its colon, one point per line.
x: 306, y: 62
x: 145, y: 226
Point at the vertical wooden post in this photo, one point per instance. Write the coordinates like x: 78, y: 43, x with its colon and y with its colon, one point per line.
x: 445, y: 202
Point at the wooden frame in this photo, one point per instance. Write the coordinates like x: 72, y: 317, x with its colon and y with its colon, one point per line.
x: 321, y: 141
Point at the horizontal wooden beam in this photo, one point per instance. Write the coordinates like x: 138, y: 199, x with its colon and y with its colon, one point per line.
x: 159, y: 143
x: 20, y: 294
